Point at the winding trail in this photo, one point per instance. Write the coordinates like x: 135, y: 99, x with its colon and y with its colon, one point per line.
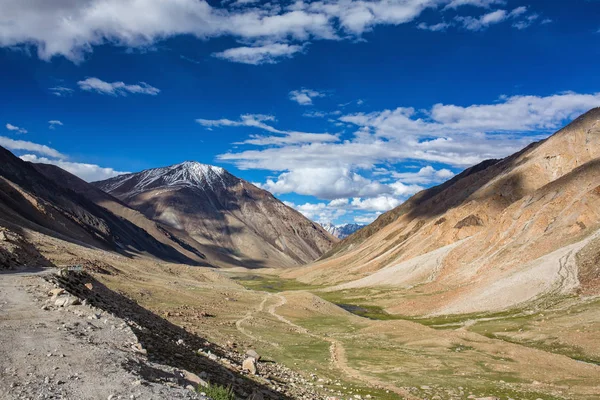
x: 248, y: 317
x: 337, y: 353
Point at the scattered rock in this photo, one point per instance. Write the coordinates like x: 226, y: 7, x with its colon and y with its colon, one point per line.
x: 249, y: 365
x: 61, y: 301
x: 253, y: 354
x: 138, y: 348
x: 194, y: 379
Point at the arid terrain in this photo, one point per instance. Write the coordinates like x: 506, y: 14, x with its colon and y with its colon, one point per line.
x: 485, y: 287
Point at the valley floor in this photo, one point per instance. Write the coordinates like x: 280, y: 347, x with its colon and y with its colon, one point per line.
x: 312, y: 346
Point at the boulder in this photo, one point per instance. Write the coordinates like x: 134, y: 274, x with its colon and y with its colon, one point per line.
x: 56, y: 292
x: 194, y: 379
x: 249, y: 365
x: 253, y: 354
x: 61, y: 301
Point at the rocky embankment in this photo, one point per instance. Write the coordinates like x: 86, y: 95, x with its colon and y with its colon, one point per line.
x: 69, y: 336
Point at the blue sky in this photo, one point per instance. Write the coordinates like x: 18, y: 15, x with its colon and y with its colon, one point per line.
x: 341, y: 108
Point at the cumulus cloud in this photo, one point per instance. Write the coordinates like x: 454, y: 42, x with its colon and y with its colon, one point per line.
x: 87, y: 172
x: 380, y: 203
x: 424, y: 176
x: 259, y: 121
x: 450, y: 135
x: 16, y: 129
x: 361, y: 210
x: 73, y: 28
x: 116, y: 88
x: 305, y: 97
x: 319, y: 212
x: 366, y: 218
x: 52, y: 124
x: 256, y: 55
x: 325, y: 183
x: 30, y: 146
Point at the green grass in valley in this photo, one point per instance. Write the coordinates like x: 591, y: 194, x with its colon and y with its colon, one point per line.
x: 271, y: 283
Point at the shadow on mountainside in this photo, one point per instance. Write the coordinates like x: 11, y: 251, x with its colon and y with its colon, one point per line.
x: 438, y: 200
x: 160, y: 338
x: 27, y: 195
x: 236, y: 258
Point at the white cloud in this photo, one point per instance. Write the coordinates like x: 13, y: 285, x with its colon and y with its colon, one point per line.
x: 116, y: 88
x: 455, y: 136
x: 304, y: 97
x: 476, y: 3
x: 477, y: 24
x: 361, y: 210
x: 339, y: 202
x: 518, y: 12
x: 61, y: 91
x: 325, y: 183
x: 319, y: 212
x: 442, y: 26
x: 87, y: 172
x: 424, y: 176
x: 495, y: 17
x: 14, y: 128
x: 73, y: 28
x: 380, y: 203
x: 258, y: 121
x: 366, y: 218
x: 315, y: 114
x: 54, y: 123
x: 29, y: 146
x: 404, y: 190
x: 256, y: 55
x: 526, y: 23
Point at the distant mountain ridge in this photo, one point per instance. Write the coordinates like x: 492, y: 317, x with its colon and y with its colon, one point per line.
x: 218, y: 209
x: 341, y: 231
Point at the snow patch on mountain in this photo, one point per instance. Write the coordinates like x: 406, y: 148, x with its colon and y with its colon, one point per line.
x: 341, y: 231
x: 187, y: 174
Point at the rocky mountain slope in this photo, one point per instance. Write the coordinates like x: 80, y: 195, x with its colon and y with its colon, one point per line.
x: 218, y: 209
x: 341, y: 231
x: 31, y: 200
x: 500, y: 234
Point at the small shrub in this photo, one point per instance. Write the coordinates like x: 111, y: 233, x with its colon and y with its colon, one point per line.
x: 216, y: 392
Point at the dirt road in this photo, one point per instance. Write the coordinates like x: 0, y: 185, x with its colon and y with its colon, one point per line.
x: 72, y: 353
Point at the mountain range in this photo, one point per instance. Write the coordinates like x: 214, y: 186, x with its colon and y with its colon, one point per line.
x: 341, y: 231
x: 501, y: 233
x: 189, y: 213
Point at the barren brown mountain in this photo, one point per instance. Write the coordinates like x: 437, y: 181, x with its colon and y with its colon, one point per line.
x: 222, y: 211
x: 502, y: 233
x: 63, y: 207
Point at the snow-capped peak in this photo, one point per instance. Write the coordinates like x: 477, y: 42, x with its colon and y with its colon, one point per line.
x: 341, y: 231
x: 186, y: 174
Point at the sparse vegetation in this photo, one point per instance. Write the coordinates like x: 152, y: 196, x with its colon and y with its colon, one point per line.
x: 271, y: 283
x: 216, y: 392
